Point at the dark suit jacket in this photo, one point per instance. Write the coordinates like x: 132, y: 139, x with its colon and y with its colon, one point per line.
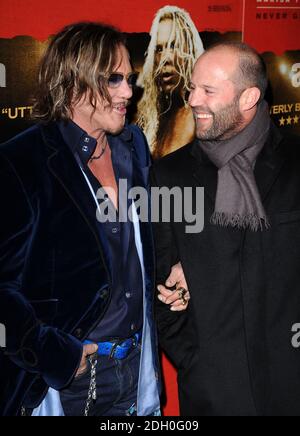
x: 54, y: 280
x: 233, y: 346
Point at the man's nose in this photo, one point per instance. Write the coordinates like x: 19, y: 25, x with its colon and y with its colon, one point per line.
x: 196, y: 98
x: 125, y: 90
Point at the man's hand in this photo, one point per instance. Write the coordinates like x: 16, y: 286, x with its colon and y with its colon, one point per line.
x: 87, y: 351
x: 175, y: 298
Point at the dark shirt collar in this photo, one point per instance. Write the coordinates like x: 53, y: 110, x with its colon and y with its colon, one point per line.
x: 83, y: 144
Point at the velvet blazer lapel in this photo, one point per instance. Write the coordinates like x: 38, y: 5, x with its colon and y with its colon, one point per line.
x: 65, y: 169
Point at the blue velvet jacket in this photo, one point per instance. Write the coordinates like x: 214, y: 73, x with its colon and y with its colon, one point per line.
x: 54, y: 280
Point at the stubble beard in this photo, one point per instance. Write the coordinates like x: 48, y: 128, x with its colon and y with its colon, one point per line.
x: 227, y: 123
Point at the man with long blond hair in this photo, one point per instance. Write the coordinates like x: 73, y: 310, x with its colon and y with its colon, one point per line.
x: 76, y: 291
x: 163, y: 112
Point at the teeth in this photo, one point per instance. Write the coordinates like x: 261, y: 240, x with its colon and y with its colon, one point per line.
x: 119, y: 107
x: 203, y: 116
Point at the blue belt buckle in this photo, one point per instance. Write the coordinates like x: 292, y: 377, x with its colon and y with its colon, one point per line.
x: 117, y: 350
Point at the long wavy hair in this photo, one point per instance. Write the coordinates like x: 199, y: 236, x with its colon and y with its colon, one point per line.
x: 188, y: 47
x: 76, y: 62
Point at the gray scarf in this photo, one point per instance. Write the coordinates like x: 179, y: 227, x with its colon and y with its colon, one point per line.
x: 238, y: 202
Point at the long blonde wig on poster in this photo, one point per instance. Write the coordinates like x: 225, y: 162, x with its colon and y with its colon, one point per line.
x: 188, y: 47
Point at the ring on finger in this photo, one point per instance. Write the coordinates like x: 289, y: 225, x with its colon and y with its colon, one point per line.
x: 182, y: 293
x: 184, y: 301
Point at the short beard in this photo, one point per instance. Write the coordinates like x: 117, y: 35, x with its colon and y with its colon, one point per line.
x: 227, y: 123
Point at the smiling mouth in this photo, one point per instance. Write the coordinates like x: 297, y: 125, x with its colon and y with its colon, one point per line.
x: 120, y: 108
x: 203, y: 116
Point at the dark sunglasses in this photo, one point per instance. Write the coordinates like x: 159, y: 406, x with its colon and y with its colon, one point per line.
x: 114, y: 80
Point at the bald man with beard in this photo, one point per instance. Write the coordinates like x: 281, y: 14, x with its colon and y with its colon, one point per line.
x: 234, y: 347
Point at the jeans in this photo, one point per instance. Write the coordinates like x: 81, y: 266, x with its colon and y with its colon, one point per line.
x: 117, y: 384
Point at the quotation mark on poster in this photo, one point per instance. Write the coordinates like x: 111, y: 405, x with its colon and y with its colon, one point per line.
x: 17, y: 112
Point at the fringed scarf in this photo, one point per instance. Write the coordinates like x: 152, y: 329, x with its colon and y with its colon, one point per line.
x: 238, y: 202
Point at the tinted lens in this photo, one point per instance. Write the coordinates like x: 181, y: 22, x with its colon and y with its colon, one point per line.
x: 115, y: 79
x: 132, y: 79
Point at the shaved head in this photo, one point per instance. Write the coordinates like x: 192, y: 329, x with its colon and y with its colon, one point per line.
x: 248, y: 68
x: 227, y: 84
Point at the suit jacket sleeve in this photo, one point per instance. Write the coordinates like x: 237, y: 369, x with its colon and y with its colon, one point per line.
x: 174, y: 328
x: 34, y: 347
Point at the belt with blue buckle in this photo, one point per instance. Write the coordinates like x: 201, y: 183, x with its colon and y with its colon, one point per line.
x: 117, y: 349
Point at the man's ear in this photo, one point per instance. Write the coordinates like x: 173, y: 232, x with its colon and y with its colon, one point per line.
x: 249, y: 99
